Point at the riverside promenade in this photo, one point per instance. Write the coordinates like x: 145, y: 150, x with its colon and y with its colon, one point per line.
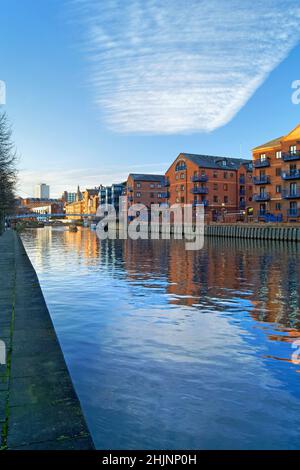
x: 39, y: 408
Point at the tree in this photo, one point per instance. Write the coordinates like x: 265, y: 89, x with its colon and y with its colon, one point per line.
x: 7, y: 170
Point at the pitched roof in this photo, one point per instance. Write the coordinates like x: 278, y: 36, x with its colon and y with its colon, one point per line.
x: 147, y: 177
x: 271, y: 143
x: 209, y: 161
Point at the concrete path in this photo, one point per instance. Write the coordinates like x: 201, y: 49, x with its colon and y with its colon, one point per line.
x: 39, y: 408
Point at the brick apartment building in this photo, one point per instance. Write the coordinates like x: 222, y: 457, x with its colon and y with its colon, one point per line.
x: 276, y: 177
x: 145, y: 189
x: 222, y: 184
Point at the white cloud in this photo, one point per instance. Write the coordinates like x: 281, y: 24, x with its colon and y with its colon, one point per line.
x: 177, y: 66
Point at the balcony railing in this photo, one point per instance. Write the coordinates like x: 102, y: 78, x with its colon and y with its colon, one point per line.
x: 199, y: 190
x: 291, y: 193
x: 259, y: 163
x: 242, y: 192
x: 205, y: 203
x: 242, y: 179
x: 261, y: 197
x: 199, y: 178
x: 291, y: 156
x: 293, y: 213
x: 292, y: 175
x: 262, y: 179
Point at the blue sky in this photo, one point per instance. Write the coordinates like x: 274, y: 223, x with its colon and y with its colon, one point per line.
x: 96, y: 90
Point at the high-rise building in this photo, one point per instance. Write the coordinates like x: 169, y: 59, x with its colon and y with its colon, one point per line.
x: 42, y: 191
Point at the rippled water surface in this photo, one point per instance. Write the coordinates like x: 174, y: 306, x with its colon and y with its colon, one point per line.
x: 176, y: 349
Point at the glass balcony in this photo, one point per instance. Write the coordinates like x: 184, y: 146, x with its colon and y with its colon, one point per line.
x: 167, y: 183
x: 292, y: 175
x: 293, y: 213
x: 199, y: 190
x: 291, y: 156
x: 242, y: 179
x: 291, y: 193
x: 261, y: 197
x: 263, y: 179
x: 199, y: 178
x: 261, y: 163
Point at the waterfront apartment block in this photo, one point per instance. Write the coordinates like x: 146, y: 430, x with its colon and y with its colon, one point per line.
x: 222, y: 184
x: 111, y: 194
x: 276, y: 178
x: 146, y: 189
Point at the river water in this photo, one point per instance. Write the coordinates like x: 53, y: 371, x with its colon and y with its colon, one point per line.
x: 174, y: 349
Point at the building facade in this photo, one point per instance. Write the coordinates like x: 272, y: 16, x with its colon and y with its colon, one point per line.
x: 146, y: 189
x: 86, y: 204
x: 222, y: 184
x: 276, y: 178
x: 42, y: 191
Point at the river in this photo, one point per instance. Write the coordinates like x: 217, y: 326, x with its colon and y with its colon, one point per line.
x: 170, y: 349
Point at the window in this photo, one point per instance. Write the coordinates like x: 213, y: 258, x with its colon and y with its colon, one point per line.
x: 215, y: 186
x: 278, y: 154
x: 182, y: 200
x: 138, y: 194
x: 225, y: 187
x: 182, y: 176
x: 293, y: 149
x: 278, y: 188
x: 216, y: 199
x: 225, y: 199
x: 231, y: 175
x: 177, y: 177
x: 278, y: 171
x: 225, y: 174
x: 152, y: 195
x: 224, y: 162
x: 182, y: 187
x: 159, y: 195
x: 278, y: 206
x: 215, y: 174
x: 151, y: 185
x: 180, y: 166
x: 263, y: 157
x: 138, y: 185
x: 159, y: 185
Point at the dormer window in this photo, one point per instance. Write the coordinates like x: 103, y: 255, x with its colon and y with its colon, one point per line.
x: 263, y: 157
x: 224, y: 162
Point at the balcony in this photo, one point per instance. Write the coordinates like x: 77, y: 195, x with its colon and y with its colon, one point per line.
x: 261, y: 163
x: 242, y: 205
x: 291, y: 194
x: 293, y: 213
x: 205, y: 203
x: 130, y: 199
x: 291, y: 156
x: 167, y: 183
x: 199, y: 190
x: 165, y: 195
x: 242, y: 179
x: 129, y: 189
x: 262, y: 197
x: 199, y: 178
x: 262, y: 179
x: 292, y: 175
x: 242, y: 192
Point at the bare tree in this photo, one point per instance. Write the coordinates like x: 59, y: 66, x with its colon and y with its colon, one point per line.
x: 7, y: 170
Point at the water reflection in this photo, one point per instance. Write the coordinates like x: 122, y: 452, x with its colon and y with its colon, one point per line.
x: 171, y: 348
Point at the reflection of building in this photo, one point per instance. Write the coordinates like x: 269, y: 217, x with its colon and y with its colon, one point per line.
x: 220, y: 183
x: 276, y: 178
x: 145, y: 189
x: 42, y: 191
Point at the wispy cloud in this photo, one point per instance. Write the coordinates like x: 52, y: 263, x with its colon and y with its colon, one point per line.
x: 177, y: 66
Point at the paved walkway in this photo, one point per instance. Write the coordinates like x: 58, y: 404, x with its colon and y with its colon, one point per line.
x: 39, y: 408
